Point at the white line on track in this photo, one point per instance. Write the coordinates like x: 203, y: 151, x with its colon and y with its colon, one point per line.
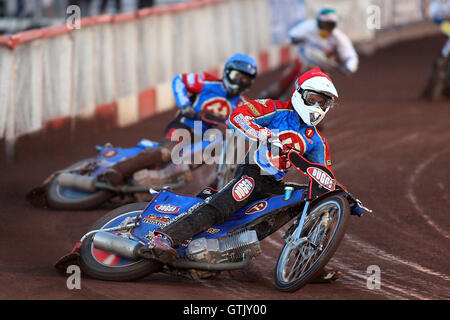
x: 355, y: 155
x: 355, y: 279
x: 355, y: 241
x: 412, y: 198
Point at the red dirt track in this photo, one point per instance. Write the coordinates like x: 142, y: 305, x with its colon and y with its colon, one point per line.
x: 390, y: 149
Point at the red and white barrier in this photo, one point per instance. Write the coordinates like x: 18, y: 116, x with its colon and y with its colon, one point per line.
x: 119, y: 68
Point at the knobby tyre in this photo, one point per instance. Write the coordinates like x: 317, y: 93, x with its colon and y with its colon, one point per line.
x: 101, y: 265
x: 69, y: 199
x: 298, y: 266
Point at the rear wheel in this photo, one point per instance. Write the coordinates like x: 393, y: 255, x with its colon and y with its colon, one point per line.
x: 323, y: 232
x: 72, y: 199
x: 103, y: 265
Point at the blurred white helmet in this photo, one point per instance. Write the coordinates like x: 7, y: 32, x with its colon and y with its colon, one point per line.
x: 313, y: 96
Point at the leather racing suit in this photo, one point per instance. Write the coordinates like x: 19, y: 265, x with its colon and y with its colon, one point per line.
x: 260, y: 175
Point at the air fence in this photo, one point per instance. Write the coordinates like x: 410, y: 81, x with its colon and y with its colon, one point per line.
x: 121, y: 66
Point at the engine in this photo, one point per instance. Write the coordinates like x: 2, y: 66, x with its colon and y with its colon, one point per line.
x: 227, y: 249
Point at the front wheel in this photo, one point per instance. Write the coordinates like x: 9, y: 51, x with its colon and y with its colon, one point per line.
x: 103, y: 265
x: 323, y: 232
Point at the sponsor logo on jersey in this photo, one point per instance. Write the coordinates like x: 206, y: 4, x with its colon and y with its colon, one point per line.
x: 219, y: 107
x: 290, y: 139
x: 167, y: 208
x: 257, y: 207
x: 309, y: 132
x: 109, y: 153
x: 253, y: 109
x: 322, y: 178
x: 243, y: 188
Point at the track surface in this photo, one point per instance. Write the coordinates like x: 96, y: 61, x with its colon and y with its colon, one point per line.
x: 388, y: 148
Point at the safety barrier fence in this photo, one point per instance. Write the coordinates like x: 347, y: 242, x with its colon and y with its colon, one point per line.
x: 119, y: 68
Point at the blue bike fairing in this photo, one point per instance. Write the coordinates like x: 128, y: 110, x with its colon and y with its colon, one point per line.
x: 167, y: 205
x: 108, y: 156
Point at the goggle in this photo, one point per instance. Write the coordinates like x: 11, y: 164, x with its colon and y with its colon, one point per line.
x: 327, y: 25
x: 240, y: 78
x: 315, y: 98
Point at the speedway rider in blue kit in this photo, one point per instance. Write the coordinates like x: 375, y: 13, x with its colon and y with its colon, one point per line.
x: 273, y: 124
x: 194, y: 93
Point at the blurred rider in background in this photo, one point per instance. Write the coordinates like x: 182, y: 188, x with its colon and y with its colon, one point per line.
x: 321, y: 44
x: 439, y: 11
x: 195, y: 93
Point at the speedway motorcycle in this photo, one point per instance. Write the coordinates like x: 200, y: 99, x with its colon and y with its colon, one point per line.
x: 112, y: 249
x: 77, y: 187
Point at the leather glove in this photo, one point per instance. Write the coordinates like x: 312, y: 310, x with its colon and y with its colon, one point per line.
x: 188, y: 112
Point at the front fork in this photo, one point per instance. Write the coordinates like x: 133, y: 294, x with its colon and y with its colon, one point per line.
x: 294, y: 240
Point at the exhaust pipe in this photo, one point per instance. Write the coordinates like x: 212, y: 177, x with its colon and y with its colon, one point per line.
x: 76, y: 181
x: 117, y: 245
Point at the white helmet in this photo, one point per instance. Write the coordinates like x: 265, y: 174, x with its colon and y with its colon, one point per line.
x: 313, y: 96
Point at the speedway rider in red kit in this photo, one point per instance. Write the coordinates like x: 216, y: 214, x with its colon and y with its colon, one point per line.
x: 260, y: 120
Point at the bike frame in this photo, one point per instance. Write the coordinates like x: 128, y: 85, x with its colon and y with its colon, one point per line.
x: 168, y: 206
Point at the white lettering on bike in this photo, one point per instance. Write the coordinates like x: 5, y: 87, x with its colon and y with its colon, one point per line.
x: 158, y: 221
x: 321, y: 177
x: 243, y: 188
x: 167, y: 208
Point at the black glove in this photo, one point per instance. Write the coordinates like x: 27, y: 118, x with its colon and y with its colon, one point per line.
x: 188, y: 112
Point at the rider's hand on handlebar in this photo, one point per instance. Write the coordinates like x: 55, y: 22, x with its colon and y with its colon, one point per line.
x: 188, y: 112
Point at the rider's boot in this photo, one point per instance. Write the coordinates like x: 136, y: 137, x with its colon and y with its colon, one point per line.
x: 116, y: 174
x: 160, y: 248
x: 327, y: 275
